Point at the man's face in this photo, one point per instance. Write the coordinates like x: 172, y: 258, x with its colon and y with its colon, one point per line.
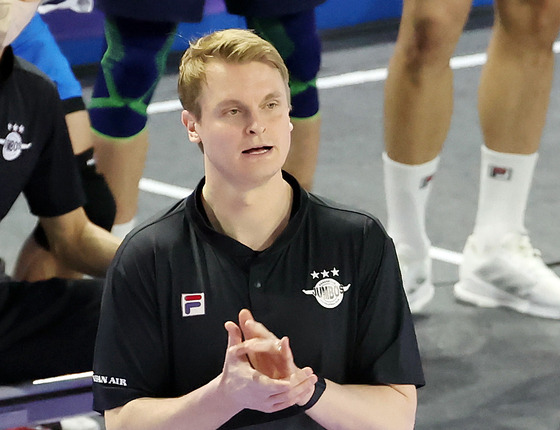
x: 14, y: 16
x: 244, y: 125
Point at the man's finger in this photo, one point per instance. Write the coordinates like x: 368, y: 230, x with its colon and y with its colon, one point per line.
x: 286, y: 350
x: 252, y: 328
x: 302, y: 386
x: 235, y: 336
x: 258, y: 345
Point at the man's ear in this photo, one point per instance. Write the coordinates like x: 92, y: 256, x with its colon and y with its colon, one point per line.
x: 189, y: 121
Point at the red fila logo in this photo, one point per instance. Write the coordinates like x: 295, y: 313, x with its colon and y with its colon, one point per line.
x: 503, y: 173
x: 193, y: 304
x: 425, y: 181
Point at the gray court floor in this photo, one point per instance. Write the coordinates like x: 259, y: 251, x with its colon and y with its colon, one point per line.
x: 485, y: 369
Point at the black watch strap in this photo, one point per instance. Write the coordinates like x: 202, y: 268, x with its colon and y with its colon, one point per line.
x: 320, y: 387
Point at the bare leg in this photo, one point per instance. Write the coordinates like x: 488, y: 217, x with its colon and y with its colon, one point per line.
x: 500, y: 266
x: 516, y: 81
x: 418, y: 109
x: 79, y: 129
x: 302, y: 158
x: 514, y: 95
x: 419, y: 87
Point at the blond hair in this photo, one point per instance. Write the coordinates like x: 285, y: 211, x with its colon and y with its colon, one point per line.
x: 232, y: 46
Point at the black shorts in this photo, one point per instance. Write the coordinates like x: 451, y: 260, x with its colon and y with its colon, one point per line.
x: 47, y: 328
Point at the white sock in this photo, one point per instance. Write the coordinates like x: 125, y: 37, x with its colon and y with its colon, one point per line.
x: 505, y: 181
x: 407, y: 188
x: 121, y: 230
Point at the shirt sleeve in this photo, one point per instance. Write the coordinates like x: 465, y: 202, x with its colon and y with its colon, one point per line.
x: 131, y: 352
x: 54, y: 187
x: 387, y: 349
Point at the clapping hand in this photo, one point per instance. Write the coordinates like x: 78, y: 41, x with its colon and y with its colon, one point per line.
x: 275, y: 361
x: 259, y: 370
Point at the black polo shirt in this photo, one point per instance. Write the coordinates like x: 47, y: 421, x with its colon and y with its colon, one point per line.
x: 330, y: 282
x: 35, y: 151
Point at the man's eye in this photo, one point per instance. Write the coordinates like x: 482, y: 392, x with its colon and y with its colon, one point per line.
x: 233, y: 112
x: 271, y: 105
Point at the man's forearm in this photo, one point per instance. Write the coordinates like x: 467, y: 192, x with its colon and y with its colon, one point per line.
x: 97, y: 250
x: 80, y: 244
x: 90, y: 252
x: 204, y: 408
x: 378, y: 407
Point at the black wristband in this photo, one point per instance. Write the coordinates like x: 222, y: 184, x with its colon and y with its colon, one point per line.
x: 320, y: 386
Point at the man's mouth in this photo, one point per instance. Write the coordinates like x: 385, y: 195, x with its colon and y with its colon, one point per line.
x: 258, y: 150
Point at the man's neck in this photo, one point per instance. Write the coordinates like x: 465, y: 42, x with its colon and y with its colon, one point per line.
x: 254, y: 217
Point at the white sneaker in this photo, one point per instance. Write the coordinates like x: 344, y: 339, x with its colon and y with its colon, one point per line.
x: 417, y: 278
x: 510, y: 275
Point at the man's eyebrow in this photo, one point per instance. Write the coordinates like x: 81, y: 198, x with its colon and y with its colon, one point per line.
x: 228, y: 103
x: 273, y: 95
x: 233, y: 101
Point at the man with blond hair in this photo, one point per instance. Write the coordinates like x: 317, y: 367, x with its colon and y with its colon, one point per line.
x: 250, y: 245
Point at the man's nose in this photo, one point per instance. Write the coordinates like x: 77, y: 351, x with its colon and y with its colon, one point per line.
x: 255, y: 125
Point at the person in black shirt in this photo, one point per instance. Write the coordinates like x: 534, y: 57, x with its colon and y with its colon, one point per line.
x: 37, y: 45
x: 318, y: 332
x: 47, y: 328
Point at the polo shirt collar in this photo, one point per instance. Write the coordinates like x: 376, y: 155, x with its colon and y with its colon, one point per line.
x: 196, y: 215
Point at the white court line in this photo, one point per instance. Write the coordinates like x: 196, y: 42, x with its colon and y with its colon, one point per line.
x: 162, y: 107
x: 163, y: 189
x: 446, y: 256
x: 328, y: 82
x: 68, y: 377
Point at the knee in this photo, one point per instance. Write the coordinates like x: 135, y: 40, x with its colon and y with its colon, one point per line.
x: 134, y: 74
x: 296, y: 38
x: 432, y: 41
x: 123, y: 91
x: 534, y: 21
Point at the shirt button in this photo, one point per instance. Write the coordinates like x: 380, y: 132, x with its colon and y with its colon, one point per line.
x: 258, y: 284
